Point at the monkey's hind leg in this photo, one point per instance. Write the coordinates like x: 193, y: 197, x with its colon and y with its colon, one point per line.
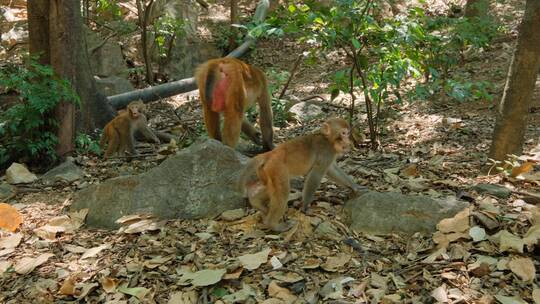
x: 259, y: 198
x: 113, y: 144
x: 278, y: 190
x: 232, y: 125
x: 211, y: 121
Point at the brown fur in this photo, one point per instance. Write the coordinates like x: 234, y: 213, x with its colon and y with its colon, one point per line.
x: 266, y: 177
x: 119, y: 132
x: 240, y: 85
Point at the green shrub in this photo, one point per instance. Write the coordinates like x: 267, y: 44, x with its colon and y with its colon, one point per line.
x: 28, y: 128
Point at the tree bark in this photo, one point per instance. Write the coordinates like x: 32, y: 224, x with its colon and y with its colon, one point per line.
x: 233, y: 20
x: 144, y: 14
x: 38, y: 30
x: 57, y: 37
x: 476, y: 8
x: 509, y: 132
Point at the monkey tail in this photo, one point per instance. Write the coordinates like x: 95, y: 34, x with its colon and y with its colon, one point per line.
x: 207, y: 78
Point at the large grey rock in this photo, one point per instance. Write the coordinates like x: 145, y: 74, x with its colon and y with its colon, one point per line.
x: 7, y: 191
x: 198, y: 182
x: 19, y: 174
x: 106, y: 57
x: 383, y: 213
x: 66, y: 171
x: 495, y: 190
x: 113, y: 85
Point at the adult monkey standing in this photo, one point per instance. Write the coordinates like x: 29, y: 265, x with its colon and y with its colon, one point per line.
x: 230, y: 86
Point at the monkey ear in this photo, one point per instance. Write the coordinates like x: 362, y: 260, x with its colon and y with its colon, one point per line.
x: 325, y: 129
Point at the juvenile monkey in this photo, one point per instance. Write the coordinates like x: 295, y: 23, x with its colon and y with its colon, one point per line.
x: 265, y: 179
x: 230, y: 86
x: 119, y: 132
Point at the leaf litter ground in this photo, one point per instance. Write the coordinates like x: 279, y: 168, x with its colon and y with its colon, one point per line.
x: 484, y: 254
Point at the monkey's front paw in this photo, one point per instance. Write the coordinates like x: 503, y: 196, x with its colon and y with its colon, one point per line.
x: 282, y: 227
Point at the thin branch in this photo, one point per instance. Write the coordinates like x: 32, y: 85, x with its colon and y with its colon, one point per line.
x: 293, y: 71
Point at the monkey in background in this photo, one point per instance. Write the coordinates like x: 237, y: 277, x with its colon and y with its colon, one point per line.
x: 230, y: 86
x: 266, y: 177
x: 119, y: 132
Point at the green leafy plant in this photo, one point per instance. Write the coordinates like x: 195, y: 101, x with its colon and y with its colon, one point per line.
x: 166, y: 30
x: 84, y: 144
x: 28, y: 128
x: 382, y: 54
x: 107, y: 9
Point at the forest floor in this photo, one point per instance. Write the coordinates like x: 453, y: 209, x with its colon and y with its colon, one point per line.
x: 437, y: 147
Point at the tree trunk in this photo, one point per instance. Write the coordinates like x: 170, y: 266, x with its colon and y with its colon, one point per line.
x: 144, y: 15
x: 509, y: 132
x: 57, y: 37
x: 234, y: 20
x: 38, y: 30
x: 476, y: 8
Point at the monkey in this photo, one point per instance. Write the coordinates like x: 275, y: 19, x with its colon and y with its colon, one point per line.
x: 265, y: 178
x: 119, y: 132
x: 230, y: 86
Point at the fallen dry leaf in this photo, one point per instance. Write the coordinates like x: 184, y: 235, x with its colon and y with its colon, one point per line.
x: 49, y: 232
x: 274, y: 290
x: 187, y: 297
x: 26, y: 265
x: 92, y: 252
x: 68, y: 287
x: 458, y: 223
x: 205, y: 277
x: 253, y: 261
x: 109, y: 284
x: 311, y: 263
x: 333, y: 263
x: 10, y: 218
x: 509, y: 242
x: 524, y: 168
x: 138, y: 292
x: 536, y: 296
x: 11, y: 241
x: 523, y: 268
x: 4, y: 266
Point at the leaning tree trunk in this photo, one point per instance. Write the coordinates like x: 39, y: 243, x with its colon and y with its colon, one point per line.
x: 57, y: 37
x: 509, y: 132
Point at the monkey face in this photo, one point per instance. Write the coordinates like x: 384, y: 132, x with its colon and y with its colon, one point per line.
x: 342, y: 141
x: 134, y: 112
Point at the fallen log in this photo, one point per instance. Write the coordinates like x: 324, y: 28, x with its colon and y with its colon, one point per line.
x: 185, y: 85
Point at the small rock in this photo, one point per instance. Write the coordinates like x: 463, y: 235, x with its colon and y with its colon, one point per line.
x: 233, y: 215
x: 67, y: 171
x: 7, y: 191
x: 495, y: 190
x: 305, y: 111
x: 18, y: 174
